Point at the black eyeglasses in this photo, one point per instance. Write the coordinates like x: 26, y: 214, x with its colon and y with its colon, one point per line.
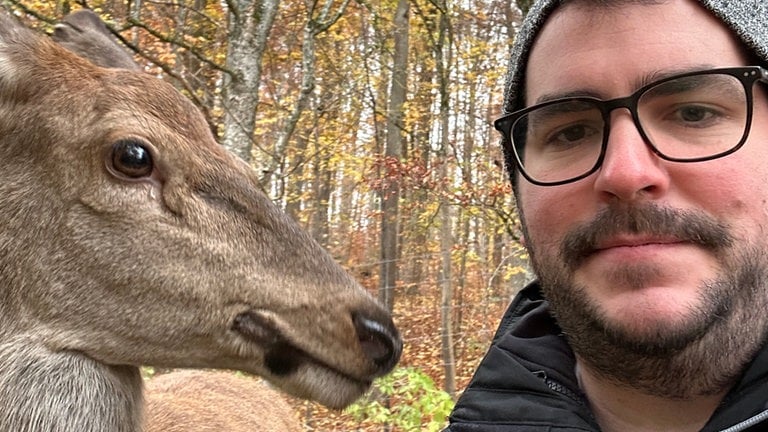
x: 691, y: 117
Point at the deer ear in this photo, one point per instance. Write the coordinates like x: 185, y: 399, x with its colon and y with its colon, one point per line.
x: 12, y: 34
x: 24, y: 55
x: 10, y: 28
x: 85, y: 34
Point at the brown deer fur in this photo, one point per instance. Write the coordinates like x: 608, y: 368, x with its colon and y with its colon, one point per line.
x: 209, y: 401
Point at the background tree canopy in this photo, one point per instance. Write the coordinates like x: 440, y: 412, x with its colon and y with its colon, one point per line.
x: 369, y: 121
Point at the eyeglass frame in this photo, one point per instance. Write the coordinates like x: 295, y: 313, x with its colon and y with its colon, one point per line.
x: 747, y: 76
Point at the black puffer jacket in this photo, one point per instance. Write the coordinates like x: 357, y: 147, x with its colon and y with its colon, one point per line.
x: 526, y: 382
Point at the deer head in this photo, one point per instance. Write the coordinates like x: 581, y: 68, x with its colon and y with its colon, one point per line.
x: 129, y: 237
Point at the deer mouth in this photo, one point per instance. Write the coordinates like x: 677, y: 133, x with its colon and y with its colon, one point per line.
x: 282, y: 357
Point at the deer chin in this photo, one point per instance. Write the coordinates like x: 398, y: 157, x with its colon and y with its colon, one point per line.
x: 324, y: 385
x: 295, y: 370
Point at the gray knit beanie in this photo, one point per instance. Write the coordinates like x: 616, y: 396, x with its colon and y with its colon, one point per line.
x: 747, y: 18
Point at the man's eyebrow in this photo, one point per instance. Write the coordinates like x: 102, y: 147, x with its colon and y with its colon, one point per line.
x: 566, y: 94
x: 666, y: 73
x: 638, y: 83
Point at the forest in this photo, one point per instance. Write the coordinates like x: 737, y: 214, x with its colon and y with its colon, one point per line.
x: 369, y: 122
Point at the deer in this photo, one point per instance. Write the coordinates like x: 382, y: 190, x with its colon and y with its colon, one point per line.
x: 216, y: 401
x: 130, y: 237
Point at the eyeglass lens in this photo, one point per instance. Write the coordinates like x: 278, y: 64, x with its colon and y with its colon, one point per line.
x: 685, y: 118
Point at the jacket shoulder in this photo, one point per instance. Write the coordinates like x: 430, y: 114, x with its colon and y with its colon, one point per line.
x: 526, y: 381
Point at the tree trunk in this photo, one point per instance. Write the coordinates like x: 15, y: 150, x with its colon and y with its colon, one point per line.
x: 446, y: 298
x: 390, y: 193
x: 444, y: 58
x: 250, y: 22
x: 323, y: 178
x: 190, y: 24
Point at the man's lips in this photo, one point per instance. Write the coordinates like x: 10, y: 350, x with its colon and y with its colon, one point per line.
x: 635, y: 241
x: 638, y: 232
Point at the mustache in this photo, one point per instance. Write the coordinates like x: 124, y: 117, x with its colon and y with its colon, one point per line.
x: 647, y: 219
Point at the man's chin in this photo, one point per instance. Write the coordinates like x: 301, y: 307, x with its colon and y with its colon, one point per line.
x: 653, y: 331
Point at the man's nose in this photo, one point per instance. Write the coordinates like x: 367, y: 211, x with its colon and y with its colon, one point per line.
x: 630, y: 170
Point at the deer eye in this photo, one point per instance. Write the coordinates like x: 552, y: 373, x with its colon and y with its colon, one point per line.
x: 131, y: 158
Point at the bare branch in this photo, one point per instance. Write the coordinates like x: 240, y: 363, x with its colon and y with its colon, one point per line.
x: 171, y: 40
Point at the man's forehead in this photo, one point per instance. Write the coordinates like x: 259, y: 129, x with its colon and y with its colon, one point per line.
x: 623, y: 47
x: 748, y: 19
x: 637, y: 82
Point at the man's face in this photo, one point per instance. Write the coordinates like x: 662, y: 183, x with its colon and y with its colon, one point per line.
x: 650, y: 285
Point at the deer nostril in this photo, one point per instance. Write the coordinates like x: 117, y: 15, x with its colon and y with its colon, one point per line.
x: 380, y: 342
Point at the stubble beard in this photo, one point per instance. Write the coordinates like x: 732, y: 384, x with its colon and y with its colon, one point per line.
x: 705, y: 351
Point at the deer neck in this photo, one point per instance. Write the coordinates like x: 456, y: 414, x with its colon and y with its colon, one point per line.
x: 42, y: 390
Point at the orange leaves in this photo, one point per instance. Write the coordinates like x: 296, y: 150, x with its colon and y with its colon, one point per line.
x: 391, y: 172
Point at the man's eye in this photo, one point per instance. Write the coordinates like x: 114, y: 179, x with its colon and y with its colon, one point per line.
x: 573, y: 133
x: 571, y: 136
x: 693, y: 114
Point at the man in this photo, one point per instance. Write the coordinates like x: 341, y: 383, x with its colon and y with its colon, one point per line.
x: 637, y: 143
